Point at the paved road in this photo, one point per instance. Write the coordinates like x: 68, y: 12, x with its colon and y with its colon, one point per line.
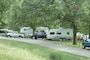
x: 78, y: 51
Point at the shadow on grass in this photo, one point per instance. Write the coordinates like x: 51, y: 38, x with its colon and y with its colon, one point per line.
x: 65, y: 56
x: 54, y: 56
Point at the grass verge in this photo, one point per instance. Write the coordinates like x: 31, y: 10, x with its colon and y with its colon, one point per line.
x: 67, y: 43
x: 12, y: 50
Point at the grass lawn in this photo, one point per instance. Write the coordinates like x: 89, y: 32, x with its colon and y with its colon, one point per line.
x: 11, y: 50
x: 68, y: 43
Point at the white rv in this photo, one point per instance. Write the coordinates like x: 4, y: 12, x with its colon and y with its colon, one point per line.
x: 85, y: 37
x: 45, y: 29
x: 3, y: 32
x: 60, y: 34
x: 28, y: 31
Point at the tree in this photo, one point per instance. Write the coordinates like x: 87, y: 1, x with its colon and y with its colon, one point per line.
x: 33, y: 13
x: 86, y: 15
x: 4, y: 6
x: 70, y: 14
x: 49, y: 13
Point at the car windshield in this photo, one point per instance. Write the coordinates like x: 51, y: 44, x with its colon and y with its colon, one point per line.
x: 40, y: 33
x: 88, y: 40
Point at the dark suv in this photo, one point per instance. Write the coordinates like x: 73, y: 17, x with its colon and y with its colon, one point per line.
x: 41, y: 34
x: 86, y: 43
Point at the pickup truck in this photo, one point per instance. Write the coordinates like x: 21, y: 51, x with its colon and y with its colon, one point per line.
x: 14, y: 34
x: 41, y: 34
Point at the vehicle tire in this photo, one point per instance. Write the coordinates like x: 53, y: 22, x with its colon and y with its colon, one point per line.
x: 31, y: 37
x: 45, y: 37
x: 83, y: 47
x: 20, y: 36
x: 42, y: 37
x: 35, y: 37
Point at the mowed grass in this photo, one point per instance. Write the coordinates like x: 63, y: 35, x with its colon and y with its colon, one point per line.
x: 12, y: 50
x: 68, y: 43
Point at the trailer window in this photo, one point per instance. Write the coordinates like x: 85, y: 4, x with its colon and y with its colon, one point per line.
x: 59, y: 33
x: 52, y: 33
x: 25, y: 29
x: 68, y: 33
x: 2, y: 31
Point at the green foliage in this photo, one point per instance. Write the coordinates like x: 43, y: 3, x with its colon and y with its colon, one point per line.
x: 4, y: 6
x: 50, y: 13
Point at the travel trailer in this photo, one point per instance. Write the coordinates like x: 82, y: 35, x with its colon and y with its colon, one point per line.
x: 85, y: 37
x: 27, y: 31
x: 57, y: 34
x: 79, y: 36
x: 45, y: 29
x: 3, y: 32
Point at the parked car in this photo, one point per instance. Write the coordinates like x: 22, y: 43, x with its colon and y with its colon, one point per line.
x: 86, y: 43
x: 14, y: 34
x: 41, y: 34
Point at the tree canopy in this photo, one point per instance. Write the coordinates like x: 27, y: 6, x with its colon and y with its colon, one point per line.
x: 74, y: 14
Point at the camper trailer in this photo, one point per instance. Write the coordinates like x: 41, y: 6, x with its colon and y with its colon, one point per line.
x: 45, y: 29
x: 27, y: 31
x: 57, y: 34
x: 3, y: 32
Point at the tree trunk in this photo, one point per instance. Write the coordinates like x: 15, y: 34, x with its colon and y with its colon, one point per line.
x: 33, y: 31
x: 74, y: 34
x: 33, y: 26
